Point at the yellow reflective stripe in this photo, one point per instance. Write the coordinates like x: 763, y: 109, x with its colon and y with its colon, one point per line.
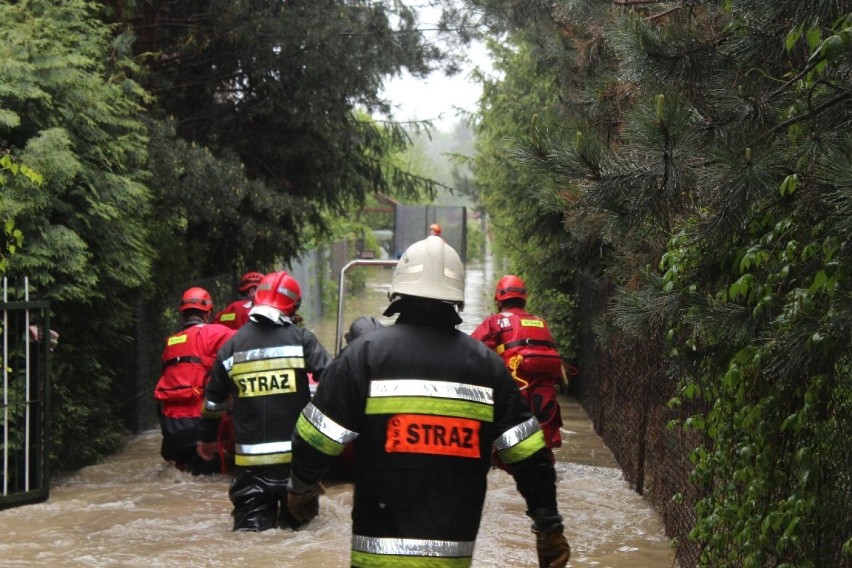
x: 517, y: 433
x: 327, y: 426
x: 177, y: 339
x: 228, y: 317
x: 532, y: 323
x: 367, y: 560
x: 267, y: 459
x: 257, y: 366
x: 436, y: 406
x: 523, y: 449
x: 312, y: 435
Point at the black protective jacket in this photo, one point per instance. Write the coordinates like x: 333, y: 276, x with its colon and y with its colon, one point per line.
x: 425, y: 404
x: 264, y: 369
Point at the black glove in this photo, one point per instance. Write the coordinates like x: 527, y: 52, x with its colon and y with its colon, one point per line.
x: 303, y: 499
x: 552, y: 548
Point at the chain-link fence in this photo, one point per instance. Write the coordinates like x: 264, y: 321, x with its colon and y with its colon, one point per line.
x: 624, y: 388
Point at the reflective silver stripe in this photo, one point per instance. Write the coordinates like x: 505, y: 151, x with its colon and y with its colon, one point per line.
x: 453, y: 275
x: 228, y: 364
x: 412, y: 547
x: 267, y: 448
x: 412, y: 269
x: 269, y: 353
x: 518, y: 434
x: 327, y: 426
x: 439, y: 389
x: 215, y: 406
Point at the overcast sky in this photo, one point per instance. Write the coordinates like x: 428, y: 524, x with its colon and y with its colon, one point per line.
x: 437, y: 97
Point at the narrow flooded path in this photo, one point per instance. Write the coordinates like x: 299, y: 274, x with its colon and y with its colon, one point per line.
x: 134, y: 511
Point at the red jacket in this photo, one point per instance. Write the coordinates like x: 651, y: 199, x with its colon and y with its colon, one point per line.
x: 235, y: 314
x: 187, y: 360
x: 525, y: 343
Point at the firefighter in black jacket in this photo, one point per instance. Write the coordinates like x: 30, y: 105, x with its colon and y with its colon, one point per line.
x: 425, y: 404
x: 264, y: 370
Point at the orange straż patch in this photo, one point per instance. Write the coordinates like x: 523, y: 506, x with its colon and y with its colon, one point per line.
x: 426, y: 434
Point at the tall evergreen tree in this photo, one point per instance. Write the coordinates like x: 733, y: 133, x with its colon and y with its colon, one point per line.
x: 278, y: 86
x: 711, y: 159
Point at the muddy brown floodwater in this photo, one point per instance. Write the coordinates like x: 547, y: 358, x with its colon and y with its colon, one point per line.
x: 133, y: 511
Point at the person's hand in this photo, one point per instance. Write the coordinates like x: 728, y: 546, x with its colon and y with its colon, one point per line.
x: 207, y: 450
x: 304, y: 506
x: 552, y: 548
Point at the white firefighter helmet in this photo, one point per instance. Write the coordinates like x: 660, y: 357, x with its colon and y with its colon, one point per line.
x: 429, y: 269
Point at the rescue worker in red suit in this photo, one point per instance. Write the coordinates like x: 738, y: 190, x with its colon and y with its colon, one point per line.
x: 264, y: 370
x: 424, y: 404
x: 236, y: 314
x: 529, y: 351
x: 187, y: 360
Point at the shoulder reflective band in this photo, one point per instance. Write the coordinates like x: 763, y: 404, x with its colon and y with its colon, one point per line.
x: 417, y: 396
x: 520, y: 442
x: 526, y: 322
x: 321, y: 432
x: 405, y: 552
x: 228, y: 317
x: 269, y: 353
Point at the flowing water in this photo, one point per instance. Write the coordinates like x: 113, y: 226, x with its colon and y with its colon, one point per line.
x: 133, y: 511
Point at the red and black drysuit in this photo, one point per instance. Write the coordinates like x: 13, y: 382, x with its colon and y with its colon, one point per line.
x: 264, y: 370
x: 529, y: 351
x: 424, y: 404
x: 187, y: 360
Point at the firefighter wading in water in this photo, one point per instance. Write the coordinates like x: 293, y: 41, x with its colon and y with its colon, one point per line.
x: 424, y: 403
x: 187, y: 360
x: 529, y: 351
x: 264, y: 369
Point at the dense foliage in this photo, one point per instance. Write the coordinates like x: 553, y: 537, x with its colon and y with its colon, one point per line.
x: 71, y: 113
x: 181, y: 140
x: 701, y: 150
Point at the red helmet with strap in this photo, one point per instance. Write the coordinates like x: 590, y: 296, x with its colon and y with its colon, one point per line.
x: 510, y: 286
x: 196, y: 298
x: 280, y: 291
x: 250, y: 280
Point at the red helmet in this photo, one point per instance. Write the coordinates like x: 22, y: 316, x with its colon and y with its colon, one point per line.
x: 510, y: 286
x: 250, y: 280
x: 196, y: 299
x: 435, y: 229
x: 280, y: 291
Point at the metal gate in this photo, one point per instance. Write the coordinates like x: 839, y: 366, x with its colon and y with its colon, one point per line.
x: 26, y: 343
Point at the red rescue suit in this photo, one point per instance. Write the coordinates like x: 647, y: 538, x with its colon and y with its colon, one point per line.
x: 527, y: 347
x: 235, y: 314
x: 187, y: 359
